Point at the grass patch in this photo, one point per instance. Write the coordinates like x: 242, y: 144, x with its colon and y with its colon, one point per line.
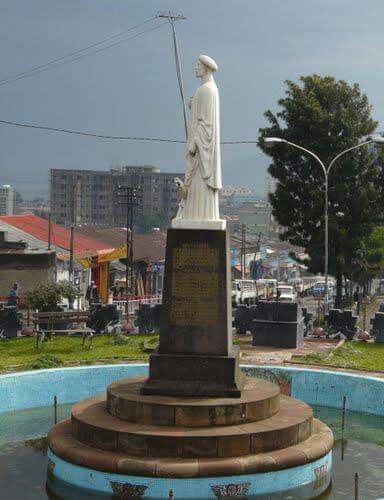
x: 45, y: 361
x: 62, y: 350
x: 354, y: 355
x: 120, y: 339
x: 314, y: 357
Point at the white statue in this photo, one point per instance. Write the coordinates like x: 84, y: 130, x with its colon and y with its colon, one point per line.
x: 199, y: 207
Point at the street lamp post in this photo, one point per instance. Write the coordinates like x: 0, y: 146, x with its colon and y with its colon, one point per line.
x: 326, y: 171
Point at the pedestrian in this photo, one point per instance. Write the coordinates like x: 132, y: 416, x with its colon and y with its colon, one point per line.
x: 13, y: 296
x: 381, y: 308
x: 115, y: 290
x: 92, y: 294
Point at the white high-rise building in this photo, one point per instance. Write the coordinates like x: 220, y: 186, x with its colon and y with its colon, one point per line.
x: 7, y: 200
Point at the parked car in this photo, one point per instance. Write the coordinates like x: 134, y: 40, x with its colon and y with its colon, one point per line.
x: 318, y: 289
x: 244, y: 292
x: 286, y: 293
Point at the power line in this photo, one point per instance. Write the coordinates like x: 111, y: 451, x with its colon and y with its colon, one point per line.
x: 112, y: 137
x: 81, y: 53
x: 87, y: 134
x: 172, y: 18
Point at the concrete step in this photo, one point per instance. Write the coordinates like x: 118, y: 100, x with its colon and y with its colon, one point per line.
x: 260, y: 399
x: 94, y: 426
x: 64, y: 445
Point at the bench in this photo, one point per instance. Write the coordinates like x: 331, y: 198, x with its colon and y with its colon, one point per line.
x: 45, y: 325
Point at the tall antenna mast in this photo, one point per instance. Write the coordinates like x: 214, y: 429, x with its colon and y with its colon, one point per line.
x: 172, y: 18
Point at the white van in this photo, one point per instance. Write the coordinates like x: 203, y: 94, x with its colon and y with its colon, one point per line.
x: 286, y: 293
x: 244, y: 292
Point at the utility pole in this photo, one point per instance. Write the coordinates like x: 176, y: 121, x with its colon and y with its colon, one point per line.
x: 49, y: 230
x: 130, y: 196
x: 257, y: 251
x: 243, y: 251
x: 172, y: 18
x: 75, y: 194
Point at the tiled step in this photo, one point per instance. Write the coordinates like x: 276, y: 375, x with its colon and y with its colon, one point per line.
x: 64, y: 445
x: 94, y: 426
x: 259, y: 400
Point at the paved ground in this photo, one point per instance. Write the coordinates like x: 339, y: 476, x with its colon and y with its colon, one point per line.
x: 276, y: 355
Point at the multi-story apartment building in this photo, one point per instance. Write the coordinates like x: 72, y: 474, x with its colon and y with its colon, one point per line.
x: 7, y: 200
x: 93, y: 195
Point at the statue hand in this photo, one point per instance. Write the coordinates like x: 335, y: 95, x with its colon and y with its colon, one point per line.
x: 192, y: 148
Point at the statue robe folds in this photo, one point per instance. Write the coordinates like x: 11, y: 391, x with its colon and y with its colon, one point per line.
x: 203, y: 175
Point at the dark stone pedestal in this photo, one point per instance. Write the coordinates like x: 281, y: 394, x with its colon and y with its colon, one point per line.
x: 378, y: 327
x: 277, y: 324
x: 195, y: 356
x: 191, y: 375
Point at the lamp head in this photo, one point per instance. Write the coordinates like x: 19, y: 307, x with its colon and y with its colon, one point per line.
x: 378, y: 139
x: 269, y: 140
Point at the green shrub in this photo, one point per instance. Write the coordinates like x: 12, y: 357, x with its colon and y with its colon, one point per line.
x: 46, y: 296
x: 150, y: 345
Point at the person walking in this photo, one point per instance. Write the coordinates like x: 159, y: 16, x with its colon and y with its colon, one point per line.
x: 115, y: 290
x: 13, y: 296
x: 92, y: 295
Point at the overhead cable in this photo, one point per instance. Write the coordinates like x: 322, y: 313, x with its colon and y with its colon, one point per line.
x: 111, y: 137
x: 81, y: 53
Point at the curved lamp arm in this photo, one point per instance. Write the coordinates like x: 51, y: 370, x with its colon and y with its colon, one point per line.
x: 347, y: 151
x: 278, y: 139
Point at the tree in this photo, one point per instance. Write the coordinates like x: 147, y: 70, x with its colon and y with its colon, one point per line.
x: 325, y: 116
x: 370, y: 262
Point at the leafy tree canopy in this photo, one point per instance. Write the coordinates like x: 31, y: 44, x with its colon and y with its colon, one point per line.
x: 326, y: 116
x: 370, y: 262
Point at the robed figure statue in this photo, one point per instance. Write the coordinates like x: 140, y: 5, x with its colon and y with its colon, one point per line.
x: 200, y: 190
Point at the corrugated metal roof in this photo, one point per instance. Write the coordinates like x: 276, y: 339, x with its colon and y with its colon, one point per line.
x: 34, y: 230
x: 15, y: 234
x: 148, y: 247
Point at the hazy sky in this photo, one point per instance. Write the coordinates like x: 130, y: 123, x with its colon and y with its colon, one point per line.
x: 131, y: 89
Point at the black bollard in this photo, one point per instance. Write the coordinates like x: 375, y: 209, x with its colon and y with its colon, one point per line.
x: 343, y: 426
x: 55, y: 408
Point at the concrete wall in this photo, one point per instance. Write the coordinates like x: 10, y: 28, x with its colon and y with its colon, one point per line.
x: 27, y: 269
x: 33, y: 389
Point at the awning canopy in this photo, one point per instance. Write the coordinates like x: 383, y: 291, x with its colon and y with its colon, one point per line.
x: 98, y: 257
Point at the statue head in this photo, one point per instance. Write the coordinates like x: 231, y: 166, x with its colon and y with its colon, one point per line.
x: 205, y: 65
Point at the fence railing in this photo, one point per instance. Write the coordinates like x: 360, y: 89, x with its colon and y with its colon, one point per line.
x: 133, y: 304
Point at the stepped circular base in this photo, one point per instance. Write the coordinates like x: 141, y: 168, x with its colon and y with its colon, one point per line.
x: 303, y: 472
x: 259, y: 400
x: 129, y: 443
x: 65, y: 446
x: 94, y: 426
